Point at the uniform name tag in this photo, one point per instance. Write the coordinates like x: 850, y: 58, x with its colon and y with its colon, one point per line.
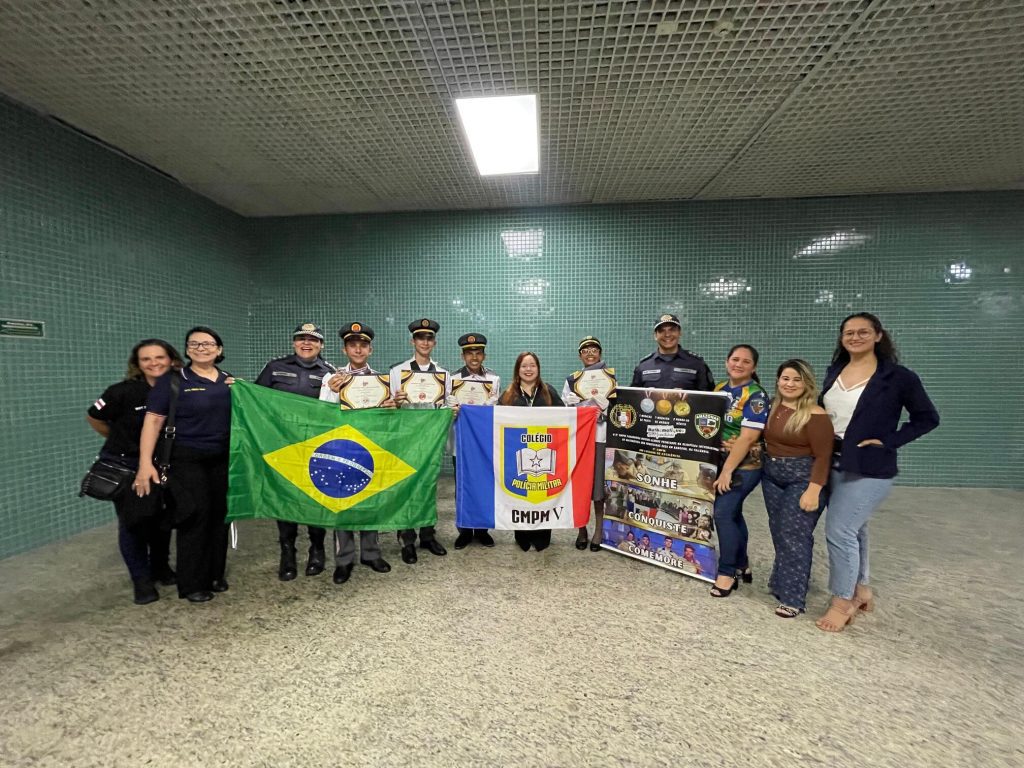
x: 684, y: 370
x: 285, y: 373
x: 316, y: 378
x: 654, y: 370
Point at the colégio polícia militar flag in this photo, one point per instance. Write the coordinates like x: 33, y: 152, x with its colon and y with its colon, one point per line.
x: 299, y: 459
x: 524, y: 468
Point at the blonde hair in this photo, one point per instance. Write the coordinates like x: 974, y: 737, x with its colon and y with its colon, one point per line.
x: 806, y: 402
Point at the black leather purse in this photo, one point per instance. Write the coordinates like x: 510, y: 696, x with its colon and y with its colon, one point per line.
x: 106, y: 480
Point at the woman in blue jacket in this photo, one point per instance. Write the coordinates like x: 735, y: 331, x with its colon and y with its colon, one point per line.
x: 865, y: 393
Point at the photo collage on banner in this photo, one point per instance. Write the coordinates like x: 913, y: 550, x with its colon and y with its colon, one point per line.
x: 661, y: 461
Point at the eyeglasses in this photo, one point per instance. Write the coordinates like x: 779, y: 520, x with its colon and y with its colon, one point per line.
x: 202, y: 345
x: 860, y: 333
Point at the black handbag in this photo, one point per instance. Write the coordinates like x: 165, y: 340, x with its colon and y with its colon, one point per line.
x: 162, y: 460
x: 106, y: 480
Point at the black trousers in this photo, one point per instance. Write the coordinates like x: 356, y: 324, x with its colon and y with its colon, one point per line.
x: 408, y: 535
x: 539, y: 539
x: 199, y: 487
x: 287, y: 533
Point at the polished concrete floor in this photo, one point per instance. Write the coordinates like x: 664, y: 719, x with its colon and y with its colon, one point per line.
x: 497, y: 657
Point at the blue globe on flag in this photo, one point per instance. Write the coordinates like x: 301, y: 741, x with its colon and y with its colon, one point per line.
x: 340, y: 468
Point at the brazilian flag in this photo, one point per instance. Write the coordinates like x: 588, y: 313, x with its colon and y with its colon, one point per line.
x: 299, y: 459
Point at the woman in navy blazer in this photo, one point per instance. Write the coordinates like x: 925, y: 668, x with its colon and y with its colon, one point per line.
x: 865, y: 392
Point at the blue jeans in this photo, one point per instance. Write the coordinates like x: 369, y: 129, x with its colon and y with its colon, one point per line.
x: 852, y: 500
x: 732, y: 528
x: 783, y: 483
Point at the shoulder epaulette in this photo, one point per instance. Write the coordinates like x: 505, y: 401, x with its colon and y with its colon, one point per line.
x: 648, y: 357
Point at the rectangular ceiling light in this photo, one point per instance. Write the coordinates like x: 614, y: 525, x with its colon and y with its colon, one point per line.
x: 502, y: 133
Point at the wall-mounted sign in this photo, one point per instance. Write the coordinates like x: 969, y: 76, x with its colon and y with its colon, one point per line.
x: 28, y: 329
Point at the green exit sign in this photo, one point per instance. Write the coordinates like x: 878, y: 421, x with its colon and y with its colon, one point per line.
x: 26, y: 329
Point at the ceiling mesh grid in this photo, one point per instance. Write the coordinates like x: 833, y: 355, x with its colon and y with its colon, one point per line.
x: 278, y: 107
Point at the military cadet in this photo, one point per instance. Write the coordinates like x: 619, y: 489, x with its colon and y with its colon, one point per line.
x: 589, y: 350
x: 300, y: 373
x: 474, y: 347
x: 672, y: 367
x: 424, y: 338
x: 358, y: 346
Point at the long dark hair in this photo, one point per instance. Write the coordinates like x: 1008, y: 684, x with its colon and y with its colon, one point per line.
x: 884, y: 347
x: 515, y: 391
x: 753, y: 354
x: 134, y: 372
x: 211, y: 332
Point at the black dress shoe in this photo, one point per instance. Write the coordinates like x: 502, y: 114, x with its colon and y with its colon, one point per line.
x: 203, y: 596
x: 287, y: 569
x: 145, y: 592
x: 581, y: 543
x: 484, y: 538
x: 165, y: 576
x: 219, y: 585
x: 409, y: 554
x: 463, y: 539
x: 315, y: 564
x: 434, y: 547
x: 595, y: 546
x: 341, y: 573
x: 380, y: 565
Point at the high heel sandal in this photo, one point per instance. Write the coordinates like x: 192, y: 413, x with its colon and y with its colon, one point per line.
x: 581, y: 540
x: 865, y: 600
x: 747, y: 576
x: 717, y: 591
x: 838, y: 615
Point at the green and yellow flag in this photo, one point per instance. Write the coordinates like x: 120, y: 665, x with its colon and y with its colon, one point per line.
x: 299, y: 459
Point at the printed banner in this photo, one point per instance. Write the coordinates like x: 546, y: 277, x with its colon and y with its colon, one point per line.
x: 524, y: 468
x: 299, y: 459
x: 661, y: 461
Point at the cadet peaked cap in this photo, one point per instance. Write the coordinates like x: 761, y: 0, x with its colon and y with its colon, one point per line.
x: 424, y: 326
x: 472, y: 341
x: 667, y: 320
x: 589, y: 341
x: 309, y: 329
x: 356, y: 331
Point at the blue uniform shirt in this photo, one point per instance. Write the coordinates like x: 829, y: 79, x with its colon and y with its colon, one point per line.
x: 681, y: 370
x: 291, y: 374
x: 203, y: 419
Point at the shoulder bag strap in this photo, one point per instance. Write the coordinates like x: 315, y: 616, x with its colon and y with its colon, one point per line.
x: 163, y: 451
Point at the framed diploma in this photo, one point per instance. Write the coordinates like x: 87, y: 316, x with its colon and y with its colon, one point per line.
x: 471, y: 392
x: 597, y: 384
x: 366, y: 390
x: 423, y: 388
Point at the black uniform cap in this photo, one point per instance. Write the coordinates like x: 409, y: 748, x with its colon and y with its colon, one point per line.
x: 667, y: 320
x: 309, y: 329
x: 472, y: 341
x: 356, y: 331
x: 424, y: 326
x: 589, y: 341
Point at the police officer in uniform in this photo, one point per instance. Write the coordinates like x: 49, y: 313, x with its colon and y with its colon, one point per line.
x: 357, y: 339
x: 424, y: 338
x: 474, y: 347
x: 672, y: 367
x: 300, y: 373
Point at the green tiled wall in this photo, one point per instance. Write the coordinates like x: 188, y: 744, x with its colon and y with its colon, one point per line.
x: 105, y: 252
x: 800, y: 266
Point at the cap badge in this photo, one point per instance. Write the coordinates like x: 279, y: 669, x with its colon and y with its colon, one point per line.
x: 356, y: 327
x: 471, y: 339
x: 666, y: 318
x: 424, y: 323
x: 308, y: 327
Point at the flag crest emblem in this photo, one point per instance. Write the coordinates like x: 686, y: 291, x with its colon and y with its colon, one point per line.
x: 535, y: 462
x: 339, y: 468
